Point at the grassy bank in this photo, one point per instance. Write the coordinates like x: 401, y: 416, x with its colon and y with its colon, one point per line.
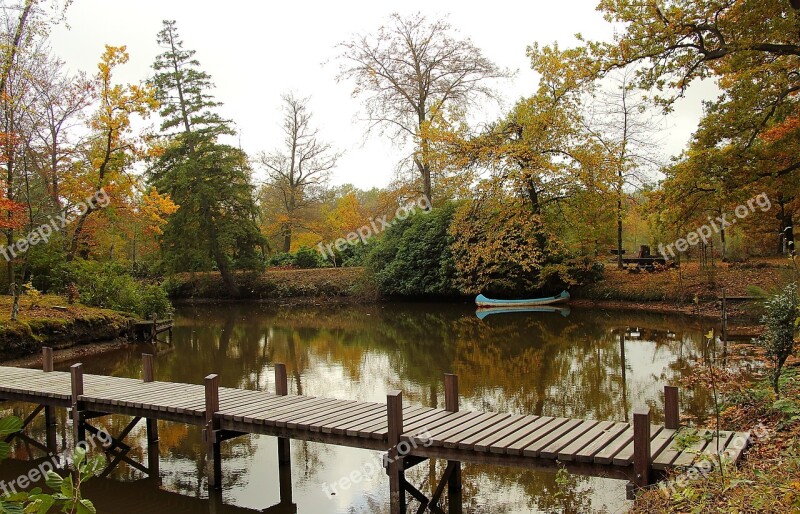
x: 678, y: 288
x: 768, y: 480
x: 272, y: 284
x: 50, y: 321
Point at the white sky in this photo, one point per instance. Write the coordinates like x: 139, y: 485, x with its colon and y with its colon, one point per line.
x: 256, y: 50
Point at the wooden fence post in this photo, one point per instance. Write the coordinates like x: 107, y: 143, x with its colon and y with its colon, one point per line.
x: 672, y: 415
x: 76, y: 376
x: 211, y: 433
x: 282, y: 389
x: 394, y: 413
x: 641, y: 447
x: 451, y: 404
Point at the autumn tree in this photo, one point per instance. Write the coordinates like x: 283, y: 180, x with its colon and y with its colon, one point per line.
x: 210, y: 181
x: 111, y: 150
x: 621, y: 121
x: 410, y: 69
x: 23, y: 59
x: 540, y: 151
x: 16, y: 40
x: 750, y: 48
x: 61, y: 100
x: 300, y: 169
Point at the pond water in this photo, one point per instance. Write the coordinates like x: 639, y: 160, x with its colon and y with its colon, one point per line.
x: 586, y: 364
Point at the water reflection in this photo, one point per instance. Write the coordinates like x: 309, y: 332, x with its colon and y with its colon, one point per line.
x: 591, y: 364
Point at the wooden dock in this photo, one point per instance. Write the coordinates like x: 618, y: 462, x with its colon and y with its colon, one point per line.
x: 636, y: 451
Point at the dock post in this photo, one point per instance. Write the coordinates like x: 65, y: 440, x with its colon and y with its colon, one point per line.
x: 282, y: 389
x: 47, y: 359
x: 394, y: 462
x: 148, y: 375
x: 672, y: 416
x: 285, y: 484
x: 641, y: 447
x: 49, y: 412
x: 78, y: 430
x: 451, y: 404
x: 211, y: 433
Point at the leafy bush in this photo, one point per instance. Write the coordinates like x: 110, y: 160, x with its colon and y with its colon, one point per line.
x: 66, y: 496
x: 281, y: 259
x: 780, y: 320
x: 351, y: 256
x: 307, y: 258
x: 413, y: 256
x: 110, y: 286
x: 502, y: 249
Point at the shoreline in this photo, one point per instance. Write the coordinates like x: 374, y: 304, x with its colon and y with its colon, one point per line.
x: 95, y: 345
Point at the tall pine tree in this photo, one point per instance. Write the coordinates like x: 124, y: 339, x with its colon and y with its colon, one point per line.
x: 210, y: 181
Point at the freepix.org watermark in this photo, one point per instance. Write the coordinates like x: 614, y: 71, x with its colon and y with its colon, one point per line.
x: 374, y: 227
x: 715, y: 226
x: 56, y: 224
x: 376, y: 466
x: 55, y: 462
x: 710, y: 461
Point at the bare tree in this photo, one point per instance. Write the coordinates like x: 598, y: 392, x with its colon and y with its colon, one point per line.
x: 409, y: 70
x: 300, y: 169
x: 626, y: 128
x: 62, y: 99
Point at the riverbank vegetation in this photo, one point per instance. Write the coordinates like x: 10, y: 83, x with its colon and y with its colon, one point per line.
x: 769, y: 479
x: 569, y: 180
x: 52, y: 321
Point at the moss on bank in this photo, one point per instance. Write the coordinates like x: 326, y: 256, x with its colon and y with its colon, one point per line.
x: 50, y: 321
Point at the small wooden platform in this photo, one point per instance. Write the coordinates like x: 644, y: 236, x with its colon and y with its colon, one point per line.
x: 150, y: 330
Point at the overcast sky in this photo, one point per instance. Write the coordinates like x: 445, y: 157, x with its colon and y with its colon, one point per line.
x: 256, y: 50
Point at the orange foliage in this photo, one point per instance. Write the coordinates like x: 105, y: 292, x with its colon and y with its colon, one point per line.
x: 790, y: 127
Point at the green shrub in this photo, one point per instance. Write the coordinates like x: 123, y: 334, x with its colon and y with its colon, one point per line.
x: 281, y: 259
x: 780, y: 320
x: 307, y: 258
x: 110, y: 286
x: 413, y: 256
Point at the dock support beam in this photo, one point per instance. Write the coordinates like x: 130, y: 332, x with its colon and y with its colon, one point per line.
x: 78, y: 429
x: 451, y: 404
x: 394, y: 412
x: 211, y: 433
x: 282, y: 389
x: 672, y: 414
x: 49, y: 412
x: 642, y: 461
x: 148, y: 375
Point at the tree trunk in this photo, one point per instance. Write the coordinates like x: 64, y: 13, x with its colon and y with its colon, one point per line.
x: 73, y: 247
x: 620, y: 263
x: 222, y: 266
x: 287, y: 238
x: 788, y: 232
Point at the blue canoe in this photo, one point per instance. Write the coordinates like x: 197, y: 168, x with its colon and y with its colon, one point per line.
x: 483, y: 312
x: 482, y: 301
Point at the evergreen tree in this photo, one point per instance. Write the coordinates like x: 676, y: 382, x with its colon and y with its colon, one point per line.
x: 210, y: 181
